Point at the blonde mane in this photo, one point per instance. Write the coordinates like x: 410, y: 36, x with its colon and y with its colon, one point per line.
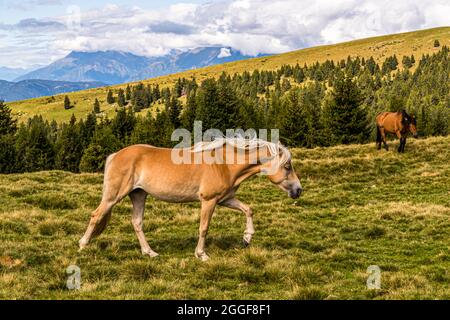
x: 245, y: 144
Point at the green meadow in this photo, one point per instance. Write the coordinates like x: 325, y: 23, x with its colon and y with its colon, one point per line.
x: 360, y: 207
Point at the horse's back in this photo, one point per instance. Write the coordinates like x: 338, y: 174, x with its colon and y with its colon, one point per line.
x: 153, y: 170
x: 381, y: 117
x: 389, y: 121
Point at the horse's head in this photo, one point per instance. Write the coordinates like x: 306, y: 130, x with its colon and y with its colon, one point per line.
x: 280, y: 171
x: 409, y: 122
x: 413, y: 126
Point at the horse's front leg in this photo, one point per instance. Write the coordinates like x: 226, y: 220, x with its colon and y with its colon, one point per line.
x: 207, y: 211
x: 234, y: 203
x: 403, y: 144
x: 399, y: 135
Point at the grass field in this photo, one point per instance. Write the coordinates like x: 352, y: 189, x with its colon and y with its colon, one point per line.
x: 417, y: 43
x: 361, y: 207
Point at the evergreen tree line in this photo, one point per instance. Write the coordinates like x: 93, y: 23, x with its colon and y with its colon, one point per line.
x: 319, y: 105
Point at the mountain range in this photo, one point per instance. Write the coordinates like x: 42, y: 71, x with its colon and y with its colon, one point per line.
x: 9, y: 74
x: 27, y: 89
x: 84, y: 70
x: 114, y: 67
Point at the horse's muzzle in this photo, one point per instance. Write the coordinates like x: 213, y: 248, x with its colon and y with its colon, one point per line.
x: 295, y: 193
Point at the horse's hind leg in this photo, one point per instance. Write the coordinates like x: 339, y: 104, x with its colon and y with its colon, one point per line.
x: 383, y: 138
x: 378, y: 144
x: 114, y: 190
x: 98, y: 222
x: 138, y: 197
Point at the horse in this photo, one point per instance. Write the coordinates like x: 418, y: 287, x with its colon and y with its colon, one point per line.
x: 399, y: 123
x: 141, y: 170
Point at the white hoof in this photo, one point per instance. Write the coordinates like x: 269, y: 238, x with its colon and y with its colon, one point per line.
x: 82, y: 244
x: 247, y: 239
x: 150, y: 253
x: 202, y: 256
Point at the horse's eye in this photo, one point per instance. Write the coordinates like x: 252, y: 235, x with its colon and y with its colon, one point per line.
x: 288, y: 167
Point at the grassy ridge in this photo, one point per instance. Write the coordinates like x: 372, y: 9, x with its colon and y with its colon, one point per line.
x: 361, y: 207
x: 417, y: 43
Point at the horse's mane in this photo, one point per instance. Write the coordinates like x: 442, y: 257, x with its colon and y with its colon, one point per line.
x: 245, y: 144
x: 410, y: 118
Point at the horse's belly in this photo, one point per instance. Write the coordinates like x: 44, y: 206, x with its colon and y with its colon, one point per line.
x: 173, y: 196
x: 170, y: 189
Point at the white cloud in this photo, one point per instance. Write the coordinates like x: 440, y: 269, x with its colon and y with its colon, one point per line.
x: 252, y: 26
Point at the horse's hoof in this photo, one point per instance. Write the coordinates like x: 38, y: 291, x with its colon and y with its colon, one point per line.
x: 202, y: 256
x: 246, y: 239
x: 152, y: 253
x: 82, y: 244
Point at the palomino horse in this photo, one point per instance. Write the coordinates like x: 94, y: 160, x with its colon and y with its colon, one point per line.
x: 140, y: 170
x: 399, y: 123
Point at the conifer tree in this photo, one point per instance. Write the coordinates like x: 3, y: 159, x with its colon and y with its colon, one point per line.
x: 121, y: 101
x: 103, y: 144
x: 345, y: 118
x: 128, y: 93
x: 69, y: 147
x: 8, y: 124
x: 67, y: 104
x: 187, y: 117
x: 109, y: 97
x: 123, y: 124
x: 35, y: 149
x: 174, y: 110
x: 96, y: 106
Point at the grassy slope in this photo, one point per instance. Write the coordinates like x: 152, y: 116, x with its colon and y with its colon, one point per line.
x: 361, y: 207
x: 417, y: 43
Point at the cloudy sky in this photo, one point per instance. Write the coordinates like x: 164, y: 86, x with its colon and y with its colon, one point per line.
x: 36, y: 32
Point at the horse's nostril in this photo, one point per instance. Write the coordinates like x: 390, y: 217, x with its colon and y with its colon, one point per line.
x: 297, y: 192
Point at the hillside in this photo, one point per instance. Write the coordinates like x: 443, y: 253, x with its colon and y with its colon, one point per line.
x: 417, y: 43
x: 26, y: 89
x: 360, y: 207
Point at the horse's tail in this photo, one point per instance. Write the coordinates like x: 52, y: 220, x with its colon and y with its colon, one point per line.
x: 378, y: 135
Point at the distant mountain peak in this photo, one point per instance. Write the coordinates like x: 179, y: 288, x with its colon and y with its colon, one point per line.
x: 114, y: 67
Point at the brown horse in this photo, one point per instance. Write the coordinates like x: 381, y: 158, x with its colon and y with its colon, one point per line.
x: 399, y: 123
x: 140, y: 170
